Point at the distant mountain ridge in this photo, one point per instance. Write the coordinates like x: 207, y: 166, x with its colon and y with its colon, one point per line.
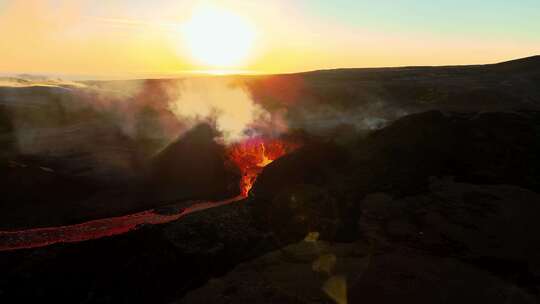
x: 531, y: 62
x: 527, y: 63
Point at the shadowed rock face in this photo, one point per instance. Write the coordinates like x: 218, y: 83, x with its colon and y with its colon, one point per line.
x: 318, y: 187
x: 40, y: 191
x: 38, y: 196
x: 293, y: 193
x: 312, y: 164
x: 194, y: 167
x: 496, y: 148
x: 7, y: 138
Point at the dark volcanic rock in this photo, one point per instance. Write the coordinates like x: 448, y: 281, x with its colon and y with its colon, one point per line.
x: 296, y: 194
x: 481, y: 148
x: 318, y: 187
x: 7, y: 136
x: 194, y: 166
x: 74, y: 189
x: 154, y: 264
x: 33, y: 195
x: 488, y: 227
x: 455, y: 243
x: 392, y: 277
x: 312, y: 164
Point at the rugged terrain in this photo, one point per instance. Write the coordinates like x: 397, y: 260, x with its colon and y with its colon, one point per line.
x: 411, y: 184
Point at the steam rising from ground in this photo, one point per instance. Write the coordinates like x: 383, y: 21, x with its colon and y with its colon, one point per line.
x: 119, y: 122
x: 229, y: 107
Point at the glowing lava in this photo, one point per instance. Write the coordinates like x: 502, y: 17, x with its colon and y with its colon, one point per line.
x: 252, y: 155
x: 96, y: 229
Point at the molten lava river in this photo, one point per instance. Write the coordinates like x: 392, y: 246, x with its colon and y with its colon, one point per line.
x: 251, y: 156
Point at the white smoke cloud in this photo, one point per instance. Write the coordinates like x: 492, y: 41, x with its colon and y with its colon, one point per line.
x: 230, y: 107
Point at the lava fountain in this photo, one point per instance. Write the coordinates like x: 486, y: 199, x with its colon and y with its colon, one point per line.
x: 252, y: 155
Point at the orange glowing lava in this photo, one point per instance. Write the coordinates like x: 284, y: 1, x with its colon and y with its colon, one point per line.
x: 252, y: 155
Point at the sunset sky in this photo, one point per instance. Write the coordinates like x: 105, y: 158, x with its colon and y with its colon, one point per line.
x: 133, y: 38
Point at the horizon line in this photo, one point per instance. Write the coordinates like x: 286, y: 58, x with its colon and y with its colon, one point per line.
x: 210, y: 72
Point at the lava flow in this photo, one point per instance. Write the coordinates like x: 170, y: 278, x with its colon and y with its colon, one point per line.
x: 39, y: 237
x: 252, y: 155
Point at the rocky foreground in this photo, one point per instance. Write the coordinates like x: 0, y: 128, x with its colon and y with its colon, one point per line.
x: 457, y: 243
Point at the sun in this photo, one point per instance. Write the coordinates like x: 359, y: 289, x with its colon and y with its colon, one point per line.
x: 218, y: 38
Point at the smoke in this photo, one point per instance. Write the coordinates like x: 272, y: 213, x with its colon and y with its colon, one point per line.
x: 364, y: 117
x: 156, y: 112
x: 229, y: 107
x: 114, y: 126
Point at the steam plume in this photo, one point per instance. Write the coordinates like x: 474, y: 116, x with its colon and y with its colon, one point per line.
x: 230, y: 108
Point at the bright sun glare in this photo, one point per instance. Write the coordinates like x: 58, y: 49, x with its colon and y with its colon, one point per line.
x: 218, y: 38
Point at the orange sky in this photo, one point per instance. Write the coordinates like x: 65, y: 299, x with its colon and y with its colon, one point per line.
x: 133, y: 38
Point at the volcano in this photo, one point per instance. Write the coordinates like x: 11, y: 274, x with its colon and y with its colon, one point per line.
x: 415, y: 185
x: 216, y: 176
